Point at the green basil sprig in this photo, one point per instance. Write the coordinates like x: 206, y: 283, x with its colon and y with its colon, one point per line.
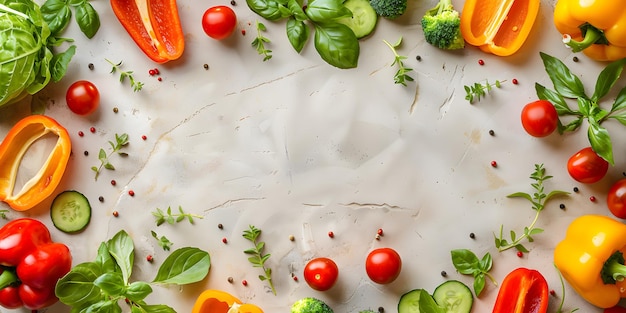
x: 335, y: 43
x: 57, y: 14
x: 467, y: 263
x: 569, y: 86
x: 101, y: 285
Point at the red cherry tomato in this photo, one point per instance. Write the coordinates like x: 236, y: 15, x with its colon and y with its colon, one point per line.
x: 82, y: 97
x: 383, y: 265
x: 615, y: 309
x: 586, y: 166
x: 616, y: 199
x: 321, y: 273
x: 219, y: 22
x: 539, y: 118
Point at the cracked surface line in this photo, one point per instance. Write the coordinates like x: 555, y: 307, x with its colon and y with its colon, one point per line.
x: 277, y: 79
x: 231, y: 201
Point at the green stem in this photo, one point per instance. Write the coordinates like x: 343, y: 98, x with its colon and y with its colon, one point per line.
x: 7, y: 278
x: 614, y: 269
x: 493, y: 280
x: 592, y: 35
x: 522, y: 237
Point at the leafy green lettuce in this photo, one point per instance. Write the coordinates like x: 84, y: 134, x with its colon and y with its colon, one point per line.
x: 27, y: 60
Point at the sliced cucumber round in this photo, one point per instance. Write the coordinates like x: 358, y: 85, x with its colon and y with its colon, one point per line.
x: 454, y: 296
x: 363, y: 20
x: 70, y: 211
x: 410, y: 302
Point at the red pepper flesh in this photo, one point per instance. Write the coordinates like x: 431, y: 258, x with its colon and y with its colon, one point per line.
x: 154, y: 25
x: 522, y: 291
x: 31, y: 264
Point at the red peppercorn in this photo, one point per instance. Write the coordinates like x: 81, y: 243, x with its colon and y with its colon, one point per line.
x: 144, y: 137
x: 224, y: 240
x: 592, y: 199
x: 152, y: 72
x: 149, y: 258
x: 295, y: 278
x: 494, y: 164
x: 80, y: 133
x: 481, y: 62
x: 113, y: 182
x: 520, y: 254
x: 160, y: 79
x: 116, y: 214
x: 156, y: 70
x: 514, y: 81
x: 379, y: 232
x: 553, y: 293
x: 244, y: 282
x: 243, y: 32
x: 131, y: 193
x: 92, y: 129
x: 331, y: 234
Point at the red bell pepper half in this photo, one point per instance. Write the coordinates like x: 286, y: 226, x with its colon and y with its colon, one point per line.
x: 30, y: 265
x: 522, y: 291
x: 154, y: 25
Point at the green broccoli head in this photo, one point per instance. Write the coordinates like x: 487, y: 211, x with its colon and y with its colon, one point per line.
x: 442, y: 27
x: 310, y: 305
x: 389, y: 8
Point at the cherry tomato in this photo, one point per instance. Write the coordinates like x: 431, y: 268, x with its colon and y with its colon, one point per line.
x: 321, y: 273
x: 383, y: 265
x: 539, y: 118
x: 82, y: 97
x: 615, y: 309
x: 586, y: 166
x: 616, y: 198
x: 219, y: 22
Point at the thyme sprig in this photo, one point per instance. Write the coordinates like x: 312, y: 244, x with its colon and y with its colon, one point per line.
x: 260, y: 41
x: 401, y: 76
x: 257, y: 257
x: 480, y: 89
x: 538, y: 200
x: 172, y: 218
x: 3, y: 214
x: 120, y: 142
x: 137, y: 85
x: 163, y: 242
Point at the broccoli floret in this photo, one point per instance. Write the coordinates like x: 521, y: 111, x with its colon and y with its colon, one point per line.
x: 310, y: 305
x: 389, y: 8
x: 442, y: 26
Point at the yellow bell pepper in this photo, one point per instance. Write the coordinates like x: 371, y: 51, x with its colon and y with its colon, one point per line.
x: 498, y: 26
x: 217, y: 301
x: 12, y: 150
x: 591, y: 260
x: 595, y: 27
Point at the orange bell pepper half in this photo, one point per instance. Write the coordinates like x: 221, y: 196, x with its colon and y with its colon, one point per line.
x: 523, y: 291
x: 217, y: 301
x: 498, y: 26
x: 154, y: 25
x: 12, y: 150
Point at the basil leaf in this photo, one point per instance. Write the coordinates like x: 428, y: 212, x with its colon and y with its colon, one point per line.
x: 620, y: 101
x: 104, y: 259
x: 584, y: 106
x: 620, y: 118
x: 156, y: 308
x: 600, y: 141
x: 556, y: 99
x: 573, y: 125
x: 77, y: 2
x: 297, y: 33
x: 269, y: 9
x: 87, y: 19
x: 324, y: 11
x: 296, y: 9
x: 77, y: 288
x: 138, y: 291
x: 607, y: 78
x: 479, y: 284
x: 486, y: 263
x: 122, y: 249
x: 565, y: 83
x: 59, y: 63
x: 57, y: 14
x: 111, y: 283
x: 337, y: 45
x: 427, y: 303
x: 109, y: 306
x: 184, y: 266
x: 464, y: 261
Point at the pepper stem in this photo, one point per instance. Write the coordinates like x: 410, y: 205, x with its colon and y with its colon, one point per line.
x: 614, y: 269
x: 592, y: 36
x: 7, y: 278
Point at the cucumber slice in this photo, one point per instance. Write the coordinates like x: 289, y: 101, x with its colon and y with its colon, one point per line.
x: 363, y: 20
x: 410, y: 301
x: 70, y: 211
x: 454, y: 296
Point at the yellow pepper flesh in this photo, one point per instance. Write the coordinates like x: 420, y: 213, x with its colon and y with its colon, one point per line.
x: 590, y: 241
x: 605, y: 40
x: 217, y: 301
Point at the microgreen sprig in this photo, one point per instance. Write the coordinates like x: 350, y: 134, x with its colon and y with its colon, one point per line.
x: 467, y: 263
x: 560, y: 309
x: 538, y: 200
x: 257, y: 258
x: 260, y: 41
x: 120, y: 142
x: 163, y: 242
x: 137, y: 85
x: 401, y: 76
x: 480, y: 89
x: 3, y: 214
x: 172, y: 218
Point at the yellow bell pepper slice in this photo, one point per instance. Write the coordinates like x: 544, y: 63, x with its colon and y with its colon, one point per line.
x: 217, y: 301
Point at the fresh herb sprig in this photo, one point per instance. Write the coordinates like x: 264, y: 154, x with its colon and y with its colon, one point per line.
x: 57, y: 15
x: 163, y: 241
x: 3, y: 214
x: 260, y: 41
x: 120, y: 142
x: 480, y: 89
x: 257, y: 258
x: 568, y: 86
x: 538, y: 199
x: 172, y: 218
x: 116, y: 67
x: 401, y: 76
x: 560, y: 309
x: 467, y: 263
x: 108, y: 278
